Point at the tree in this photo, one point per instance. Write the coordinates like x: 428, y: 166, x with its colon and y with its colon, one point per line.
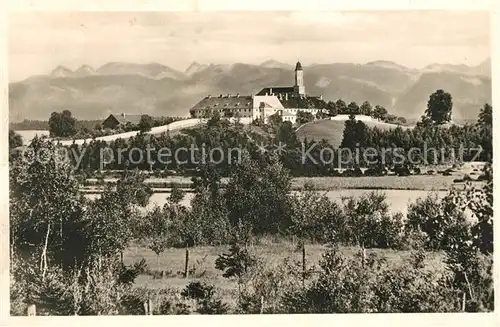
x: 481, y: 205
x: 485, y: 128
x: 228, y: 113
x: 64, y: 247
x: 157, y: 227
x: 369, y: 223
x: 62, y: 124
x: 401, y: 120
x: 304, y: 117
x: 322, y: 114
x: 469, y: 255
x: 44, y: 207
x: 275, y: 120
x: 146, y: 123
x: 355, y: 133
x: 15, y: 140
x: 353, y: 108
x: 331, y: 107
x: 366, y: 108
x: 257, y: 195
x: 235, y: 263
x: 379, y: 113
x: 208, y: 301
x: 115, y: 216
x: 439, y: 107
x: 341, y: 107
x: 486, y: 116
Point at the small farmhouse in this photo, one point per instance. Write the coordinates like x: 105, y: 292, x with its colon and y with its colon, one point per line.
x: 115, y: 120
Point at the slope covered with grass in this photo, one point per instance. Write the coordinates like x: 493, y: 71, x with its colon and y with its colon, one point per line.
x: 332, y: 130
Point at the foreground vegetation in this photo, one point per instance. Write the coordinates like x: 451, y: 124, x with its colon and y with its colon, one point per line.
x: 68, y: 253
x: 71, y: 255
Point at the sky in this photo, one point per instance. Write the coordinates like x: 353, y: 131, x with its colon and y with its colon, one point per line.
x: 38, y: 42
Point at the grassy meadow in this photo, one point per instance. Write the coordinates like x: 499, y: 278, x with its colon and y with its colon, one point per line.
x: 272, y: 252
x: 413, y: 182
x: 332, y: 130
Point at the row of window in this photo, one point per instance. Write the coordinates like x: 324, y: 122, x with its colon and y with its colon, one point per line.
x: 232, y: 109
x: 225, y: 104
x: 304, y: 109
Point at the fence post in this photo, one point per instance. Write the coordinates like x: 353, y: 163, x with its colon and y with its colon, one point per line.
x: 150, y: 307
x: 32, y: 310
x: 261, y: 304
x: 146, y: 308
x: 186, y: 264
x: 303, y: 264
x: 363, y: 256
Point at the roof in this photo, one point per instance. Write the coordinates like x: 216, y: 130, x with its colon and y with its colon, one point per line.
x: 298, y: 66
x: 124, y: 118
x: 227, y: 101
x: 276, y: 90
x: 304, y: 102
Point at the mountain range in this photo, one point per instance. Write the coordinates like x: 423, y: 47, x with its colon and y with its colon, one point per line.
x: 159, y: 90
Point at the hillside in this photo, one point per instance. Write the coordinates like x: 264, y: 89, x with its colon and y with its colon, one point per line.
x: 160, y: 90
x: 332, y: 131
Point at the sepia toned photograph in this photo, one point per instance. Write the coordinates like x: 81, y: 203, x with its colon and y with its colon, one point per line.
x: 245, y: 162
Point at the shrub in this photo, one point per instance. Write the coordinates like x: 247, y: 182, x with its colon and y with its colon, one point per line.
x: 401, y: 170
x: 236, y: 263
x: 266, y: 288
x: 206, y: 298
x: 164, y: 301
x: 368, y: 222
x: 354, y: 286
x: 472, y: 276
x: 356, y: 172
x: 441, y: 221
x: 376, y: 171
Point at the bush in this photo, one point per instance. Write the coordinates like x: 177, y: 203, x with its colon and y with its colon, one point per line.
x: 356, y: 286
x: 206, y: 298
x: 266, y: 288
x: 368, y: 223
x: 441, y: 221
x: 402, y: 170
x: 375, y: 171
x: 356, y: 172
x: 164, y: 301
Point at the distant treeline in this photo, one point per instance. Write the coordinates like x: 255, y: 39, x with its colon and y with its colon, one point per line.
x: 28, y: 124
x: 87, y: 125
x: 302, y: 158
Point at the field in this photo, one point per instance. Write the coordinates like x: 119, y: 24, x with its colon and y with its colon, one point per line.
x: 415, y: 182
x: 332, y: 130
x: 399, y: 191
x: 272, y: 253
x: 397, y: 200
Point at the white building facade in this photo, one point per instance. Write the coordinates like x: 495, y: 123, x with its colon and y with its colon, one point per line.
x: 285, y: 101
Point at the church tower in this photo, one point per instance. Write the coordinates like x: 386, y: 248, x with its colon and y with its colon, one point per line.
x: 299, y: 87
